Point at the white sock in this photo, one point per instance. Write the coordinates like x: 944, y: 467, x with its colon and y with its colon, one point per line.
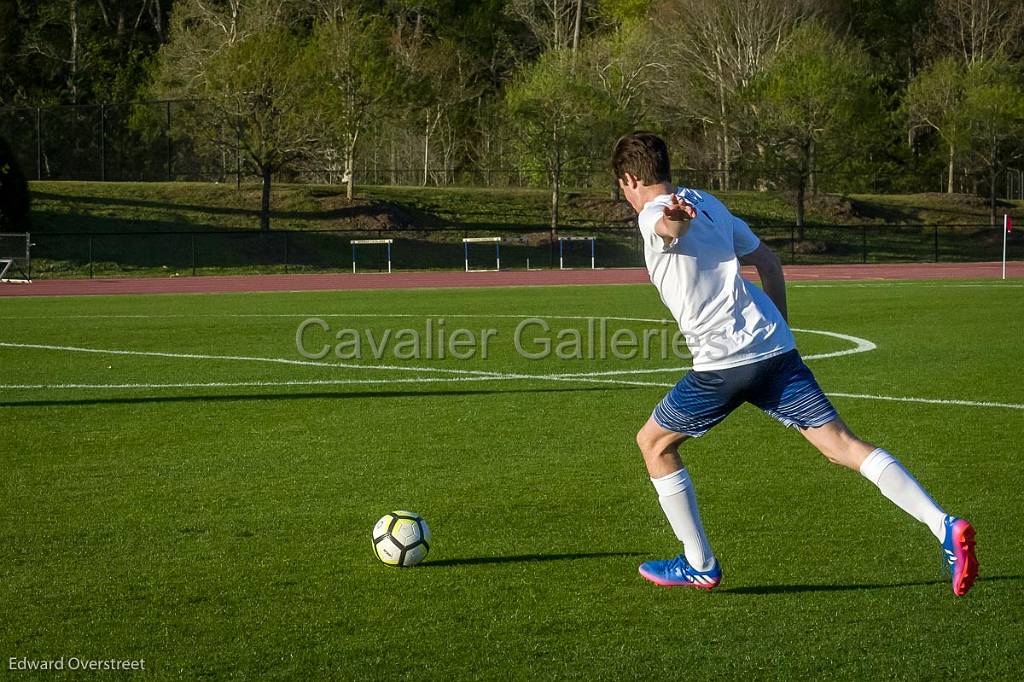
x: 679, y: 502
x: 896, y: 483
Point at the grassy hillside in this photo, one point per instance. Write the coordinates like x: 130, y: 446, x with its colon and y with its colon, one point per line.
x: 428, y: 225
x: 114, y: 206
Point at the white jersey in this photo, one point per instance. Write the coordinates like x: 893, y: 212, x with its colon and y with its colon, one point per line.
x: 727, y: 322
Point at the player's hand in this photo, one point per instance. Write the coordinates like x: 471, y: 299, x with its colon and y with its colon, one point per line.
x: 679, y: 211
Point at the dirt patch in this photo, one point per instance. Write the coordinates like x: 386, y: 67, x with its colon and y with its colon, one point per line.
x: 360, y: 214
x: 941, y: 198
x: 530, y: 238
x: 601, y: 210
x: 832, y: 208
x: 810, y: 247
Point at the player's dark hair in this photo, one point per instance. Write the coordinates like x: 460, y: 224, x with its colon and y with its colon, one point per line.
x: 643, y: 155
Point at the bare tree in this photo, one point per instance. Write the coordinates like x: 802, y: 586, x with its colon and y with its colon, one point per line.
x: 979, y: 29
x: 202, y: 30
x: 577, y: 25
x: 441, y: 73
x: 124, y: 17
x: 64, y: 20
x: 630, y: 68
x: 715, y: 49
x: 631, y: 65
x: 449, y: 77
x: 554, y: 23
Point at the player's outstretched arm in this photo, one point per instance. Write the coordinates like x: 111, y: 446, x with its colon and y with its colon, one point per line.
x: 769, y: 269
x: 675, y: 220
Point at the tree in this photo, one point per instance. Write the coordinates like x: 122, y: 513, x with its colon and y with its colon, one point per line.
x: 815, y: 106
x: 560, y: 118
x: 251, y: 77
x: 356, y: 76
x: 54, y: 37
x: 935, y: 99
x: 622, y: 11
x: 449, y: 77
x: 978, y: 29
x: 994, y: 111
x: 893, y: 34
x: 442, y: 75
x: 79, y: 52
x: 715, y: 49
x: 555, y: 24
x: 256, y: 94
x: 629, y: 67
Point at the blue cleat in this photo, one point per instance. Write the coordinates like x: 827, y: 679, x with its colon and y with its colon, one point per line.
x: 958, y: 551
x: 678, y: 572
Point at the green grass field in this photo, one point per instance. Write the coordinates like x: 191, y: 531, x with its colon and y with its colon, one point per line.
x: 218, y: 526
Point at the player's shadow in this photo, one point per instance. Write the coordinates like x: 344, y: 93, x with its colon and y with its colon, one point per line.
x: 793, y: 589
x: 305, y: 395
x: 526, y: 558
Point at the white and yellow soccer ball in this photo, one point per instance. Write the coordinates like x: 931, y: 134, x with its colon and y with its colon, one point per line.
x: 401, y: 538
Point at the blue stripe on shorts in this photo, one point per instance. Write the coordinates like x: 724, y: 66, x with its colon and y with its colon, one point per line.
x: 782, y: 386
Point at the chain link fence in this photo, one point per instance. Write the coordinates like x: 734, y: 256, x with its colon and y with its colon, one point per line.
x: 182, y: 253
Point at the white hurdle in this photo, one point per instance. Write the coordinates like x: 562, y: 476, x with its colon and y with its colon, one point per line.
x: 466, y: 241
x: 562, y: 240
x: 356, y: 242
x: 16, y: 257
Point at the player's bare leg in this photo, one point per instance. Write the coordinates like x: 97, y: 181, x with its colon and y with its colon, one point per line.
x: 660, y: 448
x: 838, y: 443
x: 697, y: 566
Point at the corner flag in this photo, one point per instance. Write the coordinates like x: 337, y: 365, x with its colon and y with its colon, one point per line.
x: 1007, y: 228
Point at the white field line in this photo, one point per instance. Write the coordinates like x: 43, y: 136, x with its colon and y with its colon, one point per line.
x: 861, y: 346
x: 240, y: 358
x: 424, y: 316
x: 313, y: 363
x: 462, y: 375
x: 928, y: 401
x: 253, y: 384
x: 870, y: 285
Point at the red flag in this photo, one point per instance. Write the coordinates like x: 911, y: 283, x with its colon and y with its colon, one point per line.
x: 1009, y: 223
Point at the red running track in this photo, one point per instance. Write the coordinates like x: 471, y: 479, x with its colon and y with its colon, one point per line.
x: 415, y: 280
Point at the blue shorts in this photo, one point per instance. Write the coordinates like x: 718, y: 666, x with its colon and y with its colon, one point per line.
x: 782, y: 386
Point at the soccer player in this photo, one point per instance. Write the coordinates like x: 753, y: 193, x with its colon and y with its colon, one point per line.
x: 743, y: 351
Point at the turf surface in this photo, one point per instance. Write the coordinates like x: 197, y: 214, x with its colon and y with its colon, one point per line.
x: 224, y: 531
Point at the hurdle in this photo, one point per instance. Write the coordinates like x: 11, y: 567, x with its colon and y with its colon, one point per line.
x: 561, y: 240
x: 466, y: 241
x: 357, y: 242
x: 13, y: 258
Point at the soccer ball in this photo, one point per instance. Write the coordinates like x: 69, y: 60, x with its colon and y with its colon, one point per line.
x: 401, y: 538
